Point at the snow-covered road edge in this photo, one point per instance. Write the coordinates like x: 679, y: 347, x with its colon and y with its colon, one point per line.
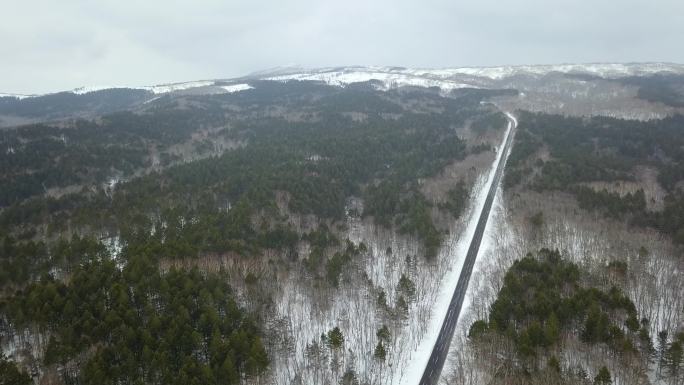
x: 420, y: 357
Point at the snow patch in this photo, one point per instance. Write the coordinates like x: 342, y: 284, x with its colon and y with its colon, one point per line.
x: 387, y: 79
x: 88, y: 89
x: 164, y: 88
x: 237, y: 87
x: 463, y: 77
x: 606, y: 70
x: 16, y: 96
x: 157, y: 89
x: 446, y: 79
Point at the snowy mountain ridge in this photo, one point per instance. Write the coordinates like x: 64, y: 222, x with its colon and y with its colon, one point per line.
x: 17, y: 96
x: 468, y: 77
x: 391, y: 77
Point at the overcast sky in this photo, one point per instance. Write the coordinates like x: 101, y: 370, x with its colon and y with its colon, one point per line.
x: 46, y: 46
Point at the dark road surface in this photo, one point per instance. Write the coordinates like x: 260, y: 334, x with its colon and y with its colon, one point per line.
x: 434, y: 366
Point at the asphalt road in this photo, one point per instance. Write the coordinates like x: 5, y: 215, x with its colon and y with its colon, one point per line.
x: 439, y: 353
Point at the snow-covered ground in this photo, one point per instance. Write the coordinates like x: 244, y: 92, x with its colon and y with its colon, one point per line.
x: 474, y: 77
x: 164, y: 88
x: 605, y: 70
x: 495, y: 232
x: 446, y: 79
x: 156, y: 89
x: 305, y: 311
x: 655, y: 286
x: 449, y: 281
x: 88, y: 89
x: 18, y: 96
x: 237, y: 87
x: 654, y: 281
x: 387, y: 79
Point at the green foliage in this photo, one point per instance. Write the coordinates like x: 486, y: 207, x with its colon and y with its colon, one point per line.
x: 382, y: 299
x: 493, y: 121
x: 603, y: 149
x: 600, y: 148
x: 282, y: 237
x: 477, y: 329
x: 411, y: 213
x: 524, y: 146
x: 612, y: 204
x: 66, y: 104
x: 414, y: 218
x: 314, y: 164
x: 10, y: 373
x: 172, y: 328
x: 632, y: 323
x: 659, y: 88
x: 334, y: 267
x: 406, y: 286
x: 251, y: 279
x: 335, y: 338
x: 456, y: 200
x: 554, y: 364
x: 22, y: 261
x: 383, y: 333
x: 543, y: 296
x: 537, y: 220
x: 177, y: 234
x: 87, y: 152
x: 380, y: 353
x: 603, y: 377
x: 349, y: 377
x: 140, y: 325
x: 619, y: 267
x: 321, y: 237
x: 671, y: 219
x: 402, y: 305
x: 673, y: 356
x: 338, y: 261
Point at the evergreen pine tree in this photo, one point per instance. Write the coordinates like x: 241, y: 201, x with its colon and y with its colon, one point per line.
x: 380, y: 352
x: 603, y: 377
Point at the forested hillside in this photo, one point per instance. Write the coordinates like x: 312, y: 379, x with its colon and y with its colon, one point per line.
x: 601, y: 160
x: 97, y: 213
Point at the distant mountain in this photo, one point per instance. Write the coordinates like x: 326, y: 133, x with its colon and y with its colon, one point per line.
x: 96, y: 100
x: 449, y: 78
x: 399, y: 76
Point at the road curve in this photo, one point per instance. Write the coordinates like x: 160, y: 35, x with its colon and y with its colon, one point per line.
x: 435, y: 364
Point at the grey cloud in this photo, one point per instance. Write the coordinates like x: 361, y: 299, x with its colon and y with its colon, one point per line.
x: 47, y: 46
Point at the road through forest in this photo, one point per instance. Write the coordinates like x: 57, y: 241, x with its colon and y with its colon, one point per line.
x: 435, y: 364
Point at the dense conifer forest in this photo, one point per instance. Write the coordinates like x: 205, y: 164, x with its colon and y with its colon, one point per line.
x: 582, y: 151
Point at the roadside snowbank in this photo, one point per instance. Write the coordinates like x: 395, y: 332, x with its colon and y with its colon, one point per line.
x: 421, y: 356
